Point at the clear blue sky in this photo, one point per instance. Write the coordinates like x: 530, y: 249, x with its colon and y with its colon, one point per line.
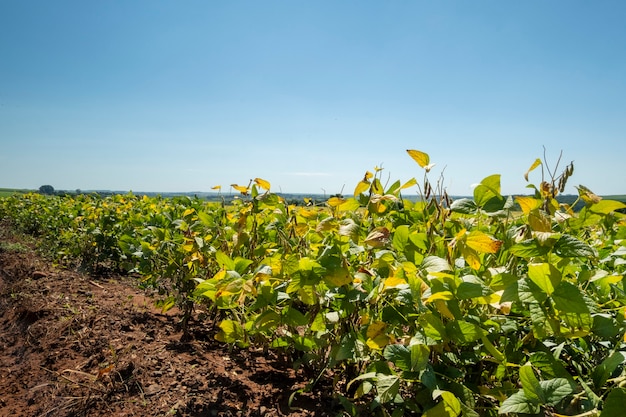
x: 184, y: 95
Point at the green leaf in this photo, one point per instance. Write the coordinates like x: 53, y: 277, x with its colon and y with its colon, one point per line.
x: 241, y: 264
x: 549, y: 366
x: 519, y: 403
x: 568, y: 298
x: 605, y: 326
x: 350, y: 348
x: 410, y: 359
x: 545, y: 275
x: 606, y: 368
x: 530, y: 384
x: 489, y: 188
x: 294, y: 318
x: 435, y: 264
x: 528, y: 249
x: 224, y: 260
x: 449, y: 406
x: 569, y: 247
x: 556, y: 390
x: 464, y: 206
x: 231, y: 332
x: 464, y: 332
x: 304, y: 343
x: 607, y: 206
x: 432, y: 326
x: 529, y: 292
x: 614, y: 403
x: 472, y: 287
x: 400, y: 238
x: 387, y: 387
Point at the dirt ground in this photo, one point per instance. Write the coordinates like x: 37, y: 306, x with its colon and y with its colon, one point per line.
x: 78, y: 345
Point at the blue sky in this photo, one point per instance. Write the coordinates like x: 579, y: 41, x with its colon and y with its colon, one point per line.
x: 184, y: 95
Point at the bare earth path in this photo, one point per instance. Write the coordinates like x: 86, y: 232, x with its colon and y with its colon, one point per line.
x: 79, y: 345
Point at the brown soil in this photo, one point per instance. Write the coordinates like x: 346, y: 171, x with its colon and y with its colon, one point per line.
x: 78, y: 345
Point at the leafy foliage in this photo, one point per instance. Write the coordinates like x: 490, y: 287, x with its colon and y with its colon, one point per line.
x: 483, y: 306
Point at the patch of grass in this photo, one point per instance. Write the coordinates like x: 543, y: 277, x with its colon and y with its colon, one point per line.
x: 8, y: 192
x: 13, y: 247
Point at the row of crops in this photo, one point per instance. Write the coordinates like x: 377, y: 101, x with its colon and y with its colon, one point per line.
x: 474, y: 307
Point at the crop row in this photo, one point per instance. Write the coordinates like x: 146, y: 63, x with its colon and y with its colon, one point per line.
x: 470, y: 307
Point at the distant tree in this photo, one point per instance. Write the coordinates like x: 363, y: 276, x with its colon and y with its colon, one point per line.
x: 46, y: 189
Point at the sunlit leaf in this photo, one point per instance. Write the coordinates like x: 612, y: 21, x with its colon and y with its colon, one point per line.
x: 449, y: 406
x: 394, y: 282
x: 350, y: 204
x: 361, y: 187
x: 442, y: 295
x: 420, y: 157
x: 262, y: 183
x: 527, y: 204
x: 587, y: 195
x: 482, y: 242
x: 488, y: 190
x: 335, y: 201
x: 530, y: 384
x: 607, y: 206
x: 520, y: 404
x: 532, y: 167
x: 471, y: 257
x: 216, y: 187
x: 569, y: 246
x: 409, y: 183
x: 545, y: 275
x: 464, y: 332
x: 411, y: 358
x: 555, y: 390
x: 242, y: 189
x: 338, y: 277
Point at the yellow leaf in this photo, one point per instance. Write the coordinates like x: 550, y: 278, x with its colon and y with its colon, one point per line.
x: 393, y: 282
x: 369, y: 175
x: 375, y: 329
x: 533, y: 166
x: 349, y: 205
x: 217, y: 187
x: 378, y: 342
x: 442, y: 307
x: 493, y: 299
x: 377, y: 207
x: 482, y: 242
x: 242, y: 189
x: 528, y: 203
x: 587, y: 195
x: 442, y: 295
x: 309, y: 212
x: 338, y: 277
x: 361, y: 187
x: 409, y: 183
x: 421, y: 158
x: 471, y: 257
x: 335, y: 201
x: 262, y: 183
